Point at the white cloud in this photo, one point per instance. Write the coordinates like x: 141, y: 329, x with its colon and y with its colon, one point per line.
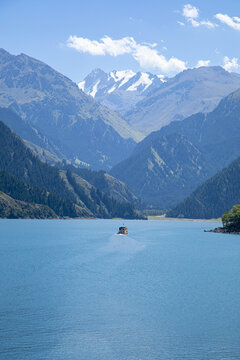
x: 203, y: 63
x: 103, y: 47
x: 190, y: 12
x: 180, y: 23
x: 206, y: 23
x: 233, y: 22
x: 144, y: 53
x: 236, y: 18
x: 150, y: 58
x: 231, y: 64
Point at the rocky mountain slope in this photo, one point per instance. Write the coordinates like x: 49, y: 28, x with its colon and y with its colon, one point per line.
x: 168, y: 164
x: 216, y: 196
x: 25, y: 178
x: 100, y: 179
x: 45, y: 203
x: 77, y: 127
x: 120, y: 90
x: 107, y: 184
x: 189, y: 92
x: 164, y: 170
x: 16, y: 209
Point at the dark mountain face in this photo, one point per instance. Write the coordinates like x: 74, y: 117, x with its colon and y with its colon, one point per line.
x: 78, y: 127
x: 190, y: 92
x: 106, y: 183
x: 25, y: 178
x: 11, y: 208
x: 163, y: 170
x: 28, y: 132
x: 214, y: 197
x: 214, y: 137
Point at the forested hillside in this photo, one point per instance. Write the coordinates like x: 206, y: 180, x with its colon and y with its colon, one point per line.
x: 106, y: 183
x: 16, y: 209
x: 170, y: 163
x: 214, y: 197
x: 26, y: 178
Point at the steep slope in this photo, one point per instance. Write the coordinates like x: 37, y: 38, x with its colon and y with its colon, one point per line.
x: 215, y: 137
x: 214, y: 197
x: 217, y: 133
x: 52, y: 104
x: 107, y: 184
x: 17, y: 189
x: 99, y: 203
x: 163, y: 170
x: 16, y: 209
x: 33, y: 137
x: 38, y: 182
x: 190, y: 92
x: 99, y: 179
x: 120, y: 90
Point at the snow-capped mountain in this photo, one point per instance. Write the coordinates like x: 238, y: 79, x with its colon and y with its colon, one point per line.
x: 120, y: 90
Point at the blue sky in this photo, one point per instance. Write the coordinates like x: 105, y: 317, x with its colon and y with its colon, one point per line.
x: 163, y: 37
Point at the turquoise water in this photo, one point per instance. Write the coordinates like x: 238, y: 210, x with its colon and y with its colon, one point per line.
x: 74, y: 290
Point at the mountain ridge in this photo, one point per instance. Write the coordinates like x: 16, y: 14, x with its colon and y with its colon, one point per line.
x: 215, y: 196
x: 213, y: 137
x: 189, y: 92
x: 120, y: 90
x: 25, y: 178
x: 80, y: 128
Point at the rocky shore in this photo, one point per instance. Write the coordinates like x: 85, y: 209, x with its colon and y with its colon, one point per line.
x: 223, y: 231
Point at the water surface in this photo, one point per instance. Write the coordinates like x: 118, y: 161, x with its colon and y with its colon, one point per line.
x: 74, y: 290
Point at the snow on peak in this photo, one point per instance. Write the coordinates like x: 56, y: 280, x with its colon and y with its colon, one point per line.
x: 162, y: 78
x: 81, y: 85
x: 99, y: 84
x: 112, y: 89
x: 94, y: 89
x: 143, y: 80
x: 124, y: 75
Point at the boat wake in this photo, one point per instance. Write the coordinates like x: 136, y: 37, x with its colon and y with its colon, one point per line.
x: 123, y: 244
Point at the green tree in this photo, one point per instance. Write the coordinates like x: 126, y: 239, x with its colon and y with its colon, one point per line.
x: 231, y: 220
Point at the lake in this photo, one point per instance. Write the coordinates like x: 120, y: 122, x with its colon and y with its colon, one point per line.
x: 71, y: 289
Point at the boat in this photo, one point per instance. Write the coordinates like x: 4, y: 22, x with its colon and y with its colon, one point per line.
x: 122, y: 230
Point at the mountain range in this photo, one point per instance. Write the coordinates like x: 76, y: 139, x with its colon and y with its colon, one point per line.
x: 69, y: 129
x: 31, y: 188
x: 214, y: 197
x: 67, y: 122
x: 120, y: 90
x: 148, y: 102
x: 170, y: 163
x: 189, y: 92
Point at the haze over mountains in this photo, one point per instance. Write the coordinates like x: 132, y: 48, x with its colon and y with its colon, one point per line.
x: 189, y: 92
x: 169, y: 164
x: 31, y: 188
x: 120, y: 90
x: 213, y: 197
x: 66, y: 127
x: 71, y: 124
x: 148, y: 102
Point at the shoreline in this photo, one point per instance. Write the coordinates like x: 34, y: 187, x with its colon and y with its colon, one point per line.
x: 163, y: 218
x: 221, y: 230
